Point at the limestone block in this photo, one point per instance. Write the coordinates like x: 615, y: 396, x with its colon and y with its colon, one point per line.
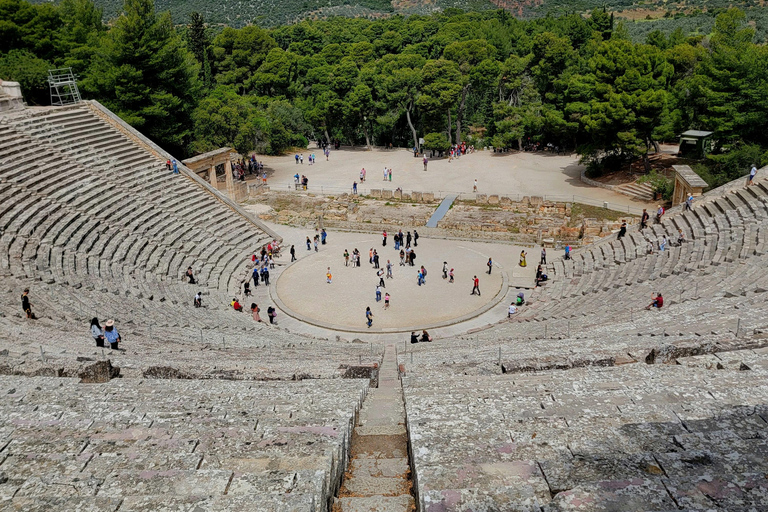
x: 386, y: 194
x: 398, y: 194
x: 416, y: 196
x: 505, y: 200
x: 99, y: 372
x: 406, y: 196
x: 481, y: 198
x: 427, y: 197
x: 493, y: 199
x: 375, y: 192
x: 536, y: 200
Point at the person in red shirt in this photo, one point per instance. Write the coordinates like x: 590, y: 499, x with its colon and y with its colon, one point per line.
x: 476, y: 286
x: 657, y: 302
x: 236, y: 305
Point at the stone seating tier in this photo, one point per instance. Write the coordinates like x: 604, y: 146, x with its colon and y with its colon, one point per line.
x: 147, y: 445
x: 634, y: 438
x: 70, y: 231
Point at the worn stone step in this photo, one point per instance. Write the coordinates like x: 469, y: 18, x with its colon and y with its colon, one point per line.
x: 377, y: 504
x: 363, y: 485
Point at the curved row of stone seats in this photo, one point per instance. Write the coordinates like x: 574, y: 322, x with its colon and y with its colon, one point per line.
x: 88, y: 160
x: 718, y: 319
x: 602, y: 271
x: 206, y: 344
x: 633, y: 438
x: 146, y: 445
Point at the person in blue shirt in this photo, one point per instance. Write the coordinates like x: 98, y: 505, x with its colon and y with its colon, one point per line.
x: 175, y: 166
x: 111, y: 335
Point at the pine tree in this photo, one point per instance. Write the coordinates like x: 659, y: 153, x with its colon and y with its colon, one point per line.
x: 146, y: 76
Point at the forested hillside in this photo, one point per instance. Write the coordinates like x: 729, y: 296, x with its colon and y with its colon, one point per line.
x: 484, y: 77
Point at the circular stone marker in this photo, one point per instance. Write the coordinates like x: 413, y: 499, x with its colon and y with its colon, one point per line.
x: 304, y: 294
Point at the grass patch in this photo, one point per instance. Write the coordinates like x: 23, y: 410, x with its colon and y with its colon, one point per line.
x: 581, y: 211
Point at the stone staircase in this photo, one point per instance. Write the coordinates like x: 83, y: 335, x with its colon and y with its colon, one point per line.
x: 641, y: 191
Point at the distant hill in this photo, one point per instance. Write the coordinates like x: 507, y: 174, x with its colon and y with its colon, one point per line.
x: 642, y: 16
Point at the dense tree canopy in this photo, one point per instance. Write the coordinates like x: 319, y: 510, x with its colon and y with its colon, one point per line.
x: 483, y: 77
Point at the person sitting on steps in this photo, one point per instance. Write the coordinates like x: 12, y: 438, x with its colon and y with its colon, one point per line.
x: 657, y: 302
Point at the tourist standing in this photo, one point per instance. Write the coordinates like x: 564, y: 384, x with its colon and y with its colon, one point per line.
x: 445, y: 270
x: 293, y: 253
x: 386, y: 301
x: 450, y: 276
x: 111, y: 335
x: 415, y: 238
x: 752, y: 174
x: 346, y: 258
x: 522, y: 262
x: 26, y: 306
x: 97, y: 332
x: 490, y: 265
x: 255, y: 312
x: 543, y: 256
x: 328, y: 276
x: 368, y: 316
x: 384, y: 238
x: 644, y: 219
x: 378, y: 294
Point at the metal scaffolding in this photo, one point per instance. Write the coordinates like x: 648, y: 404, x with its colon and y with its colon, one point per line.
x: 63, y: 85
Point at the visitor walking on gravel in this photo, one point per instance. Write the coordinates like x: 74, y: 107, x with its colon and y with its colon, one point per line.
x: 445, y: 270
x: 380, y: 275
x: 255, y: 312
x: 415, y: 238
x: 386, y: 301
x: 475, y: 286
x: 450, y: 276
x: 368, y: 317
x: 389, y: 270
x: 328, y: 276
x: 543, y: 256
x: 489, y: 265
x: 346, y: 258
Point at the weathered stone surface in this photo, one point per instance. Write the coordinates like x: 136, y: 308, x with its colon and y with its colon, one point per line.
x: 164, y: 372
x: 99, y: 372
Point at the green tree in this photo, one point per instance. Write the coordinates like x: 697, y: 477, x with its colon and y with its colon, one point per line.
x: 436, y: 141
x: 441, y: 88
x: 629, y: 99
x: 200, y: 45
x: 401, y: 78
x: 238, y: 53
x: 476, y: 62
x: 144, y: 74
x: 730, y: 88
x: 30, y: 71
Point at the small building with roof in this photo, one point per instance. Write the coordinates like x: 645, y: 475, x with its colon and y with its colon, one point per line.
x: 687, y: 182
x: 694, y: 143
